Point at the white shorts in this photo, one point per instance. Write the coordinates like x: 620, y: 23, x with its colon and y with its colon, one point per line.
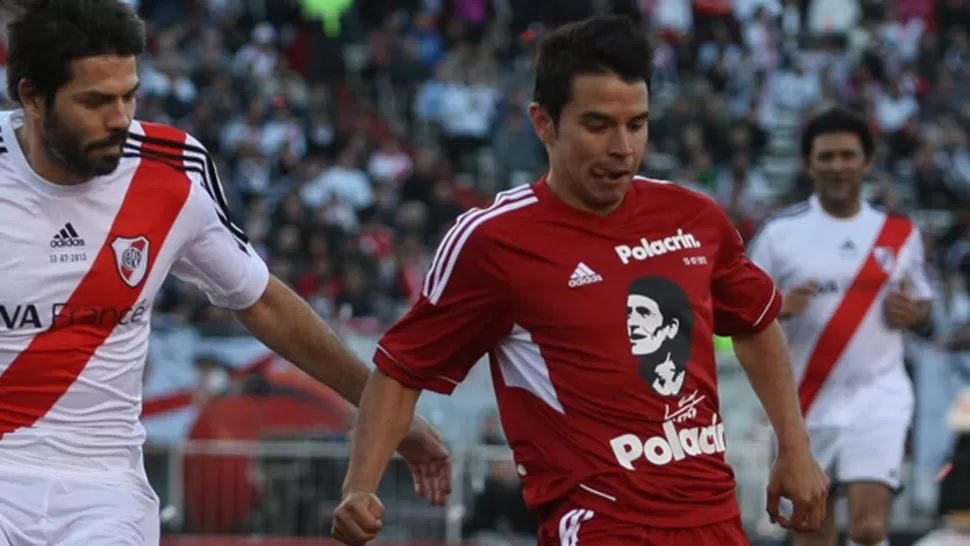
x: 869, y: 450
x: 118, y: 509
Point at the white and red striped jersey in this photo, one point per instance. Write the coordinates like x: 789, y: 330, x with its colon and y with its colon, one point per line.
x: 79, y: 269
x: 845, y: 354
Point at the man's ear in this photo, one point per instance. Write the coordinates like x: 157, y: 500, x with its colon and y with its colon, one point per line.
x: 542, y: 122
x: 33, y: 103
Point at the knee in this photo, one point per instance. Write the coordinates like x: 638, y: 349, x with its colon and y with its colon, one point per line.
x: 867, y: 531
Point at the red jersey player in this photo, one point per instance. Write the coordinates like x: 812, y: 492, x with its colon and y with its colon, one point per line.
x: 596, y: 295
x: 97, y: 210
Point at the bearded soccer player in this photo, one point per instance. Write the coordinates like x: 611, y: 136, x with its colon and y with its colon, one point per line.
x: 854, y: 283
x: 596, y: 295
x: 97, y: 210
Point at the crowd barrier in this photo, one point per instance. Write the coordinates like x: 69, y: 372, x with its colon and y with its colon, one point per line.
x: 281, y: 488
x: 283, y: 493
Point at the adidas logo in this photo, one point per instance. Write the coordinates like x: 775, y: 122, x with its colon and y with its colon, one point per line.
x: 583, y: 275
x: 847, y: 249
x: 67, y: 237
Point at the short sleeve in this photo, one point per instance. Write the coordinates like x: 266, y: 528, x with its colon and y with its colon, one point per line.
x: 744, y: 296
x: 218, y: 257
x: 916, y: 269
x: 463, y: 312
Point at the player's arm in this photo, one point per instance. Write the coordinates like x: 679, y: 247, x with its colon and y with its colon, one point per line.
x: 746, y: 306
x: 386, y: 410
x: 226, y: 267
x: 233, y: 276
x: 462, y: 313
x: 293, y: 330
x: 766, y: 361
x: 218, y: 259
x: 921, y: 288
x: 909, y: 304
x: 923, y: 318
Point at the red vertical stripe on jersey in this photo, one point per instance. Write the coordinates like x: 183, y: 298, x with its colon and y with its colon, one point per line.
x: 859, y: 298
x: 46, y: 369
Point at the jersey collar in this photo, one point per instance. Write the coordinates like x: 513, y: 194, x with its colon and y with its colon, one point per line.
x: 551, y: 200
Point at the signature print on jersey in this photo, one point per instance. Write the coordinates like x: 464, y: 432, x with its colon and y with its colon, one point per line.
x: 660, y: 327
x: 131, y: 256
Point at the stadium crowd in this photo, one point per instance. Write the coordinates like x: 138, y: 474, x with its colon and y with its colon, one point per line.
x: 349, y: 135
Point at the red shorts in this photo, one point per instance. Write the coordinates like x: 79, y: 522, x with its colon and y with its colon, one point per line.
x: 571, y: 525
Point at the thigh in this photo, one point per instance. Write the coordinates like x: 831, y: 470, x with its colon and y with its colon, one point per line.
x: 572, y: 525
x: 103, y: 512
x: 724, y: 533
x: 869, y: 505
x: 871, y: 451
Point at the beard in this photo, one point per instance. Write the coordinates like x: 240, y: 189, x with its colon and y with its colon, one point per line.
x: 65, y: 147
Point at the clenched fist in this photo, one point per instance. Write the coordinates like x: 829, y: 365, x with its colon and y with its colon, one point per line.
x: 358, y: 519
x: 900, y: 308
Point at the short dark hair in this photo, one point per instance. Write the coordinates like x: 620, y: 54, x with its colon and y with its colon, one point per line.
x: 837, y: 119
x: 45, y: 36
x: 597, y: 45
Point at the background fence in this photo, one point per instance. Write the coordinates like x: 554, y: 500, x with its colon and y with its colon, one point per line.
x: 283, y: 494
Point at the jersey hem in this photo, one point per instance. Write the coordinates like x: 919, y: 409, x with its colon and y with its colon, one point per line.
x: 771, y: 312
x: 658, y: 515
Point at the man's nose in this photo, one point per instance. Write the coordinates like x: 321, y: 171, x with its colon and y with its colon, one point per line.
x: 622, y: 144
x: 119, y: 118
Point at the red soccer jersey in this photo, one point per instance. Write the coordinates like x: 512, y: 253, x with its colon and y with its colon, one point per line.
x: 600, y: 337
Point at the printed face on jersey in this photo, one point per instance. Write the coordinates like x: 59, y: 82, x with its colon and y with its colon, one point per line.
x: 600, y: 138
x: 837, y: 166
x: 87, y: 124
x: 660, y: 327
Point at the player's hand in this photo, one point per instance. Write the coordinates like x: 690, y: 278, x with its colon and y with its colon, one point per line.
x: 358, y: 519
x: 797, y: 477
x: 797, y: 299
x: 424, y: 450
x: 899, y: 308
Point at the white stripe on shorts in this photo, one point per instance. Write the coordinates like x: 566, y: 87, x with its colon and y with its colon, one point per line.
x: 569, y: 526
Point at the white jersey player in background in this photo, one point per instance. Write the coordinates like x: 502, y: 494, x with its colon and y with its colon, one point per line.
x: 854, y: 282
x: 97, y: 210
